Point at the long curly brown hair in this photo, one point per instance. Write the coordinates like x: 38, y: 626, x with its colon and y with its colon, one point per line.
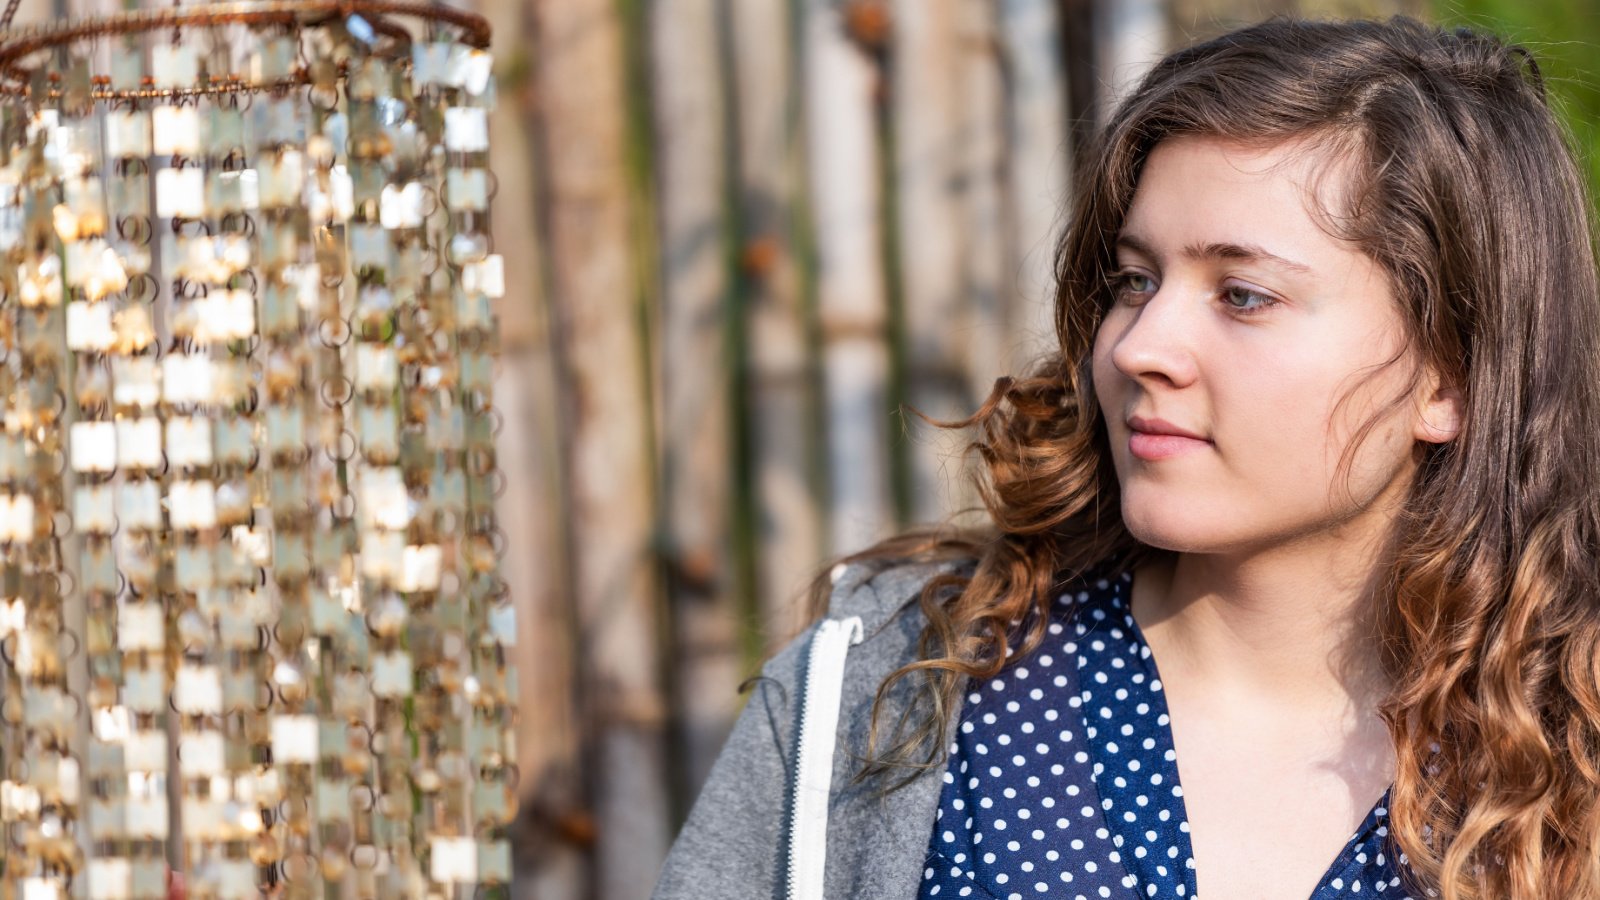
x: 1469, y: 198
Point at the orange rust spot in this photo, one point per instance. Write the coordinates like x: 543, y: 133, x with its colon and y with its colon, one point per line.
x: 759, y: 256
x: 577, y: 827
x: 868, y: 23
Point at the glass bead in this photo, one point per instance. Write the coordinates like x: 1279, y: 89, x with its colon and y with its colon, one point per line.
x: 189, y: 441
x: 379, y: 430
x: 274, y: 60
x: 294, y: 739
x: 197, y: 690
x: 200, y: 753
x: 225, y: 192
x: 280, y: 248
x: 235, y: 440
x: 130, y: 194
x: 128, y: 134
x: 470, y: 69
x: 370, y: 247
x: 281, y: 179
x: 224, y: 131
x: 16, y: 518
x: 420, y: 568
x: 382, y: 499
x: 138, y: 444
x: 377, y: 368
x: 85, y: 199
x: 453, y: 859
x: 280, y: 310
x: 286, y: 430
x: 146, y: 750
x: 174, y: 65
x: 291, y: 558
x: 99, y: 569
x: 111, y: 877
x: 194, y: 567
x: 144, y: 691
x: 140, y: 503
x: 430, y: 63
x: 89, y: 327
x: 487, y: 277
x: 392, y: 674
x: 93, y: 509
x: 466, y: 129
x: 193, y: 505
x: 332, y: 199
x: 147, y: 819
x: 280, y: 121
x: 187, y: 378
x: 226, y: 315
x: 402, y: 206
x: 94, y: 447
x: 180, y: 193
x: 175, y: 131
x: 127, y: 65
x: 381, y: 555
x: 503, y: 624
x: 141, y: 627
x: 494, y: 862
x: 136, y: 382
x: 473, y: 312
x: 467, y: 189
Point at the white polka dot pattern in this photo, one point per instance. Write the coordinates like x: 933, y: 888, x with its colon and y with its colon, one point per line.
x: 1063, y: 781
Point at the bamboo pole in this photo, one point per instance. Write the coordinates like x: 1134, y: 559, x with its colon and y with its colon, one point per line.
x: 696, y: 451
x: 579, y: 61
x: 550, y: 861
x: 549, y: 864
x: 1082, y: 67
x: 780, y: 394
x: 1039, y: 166
x: 1130, y: 35
x: 931, y: 127
x: 842, y: 162
x: 990, y: 270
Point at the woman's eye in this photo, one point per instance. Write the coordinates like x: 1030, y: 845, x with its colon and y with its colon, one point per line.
x: 1129, y: 284
x: 1244, y: 300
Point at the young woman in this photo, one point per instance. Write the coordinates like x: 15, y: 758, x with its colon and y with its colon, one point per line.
x: 1291, y: 585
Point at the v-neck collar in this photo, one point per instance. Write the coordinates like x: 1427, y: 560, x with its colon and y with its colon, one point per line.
x: 1120, y: 691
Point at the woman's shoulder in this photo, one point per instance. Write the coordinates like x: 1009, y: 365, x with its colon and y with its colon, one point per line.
x: 877, y: 590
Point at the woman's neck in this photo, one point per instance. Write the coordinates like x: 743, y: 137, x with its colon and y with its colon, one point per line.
x: 1291, y: 625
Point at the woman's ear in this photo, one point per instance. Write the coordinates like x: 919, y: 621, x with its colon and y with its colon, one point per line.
x: 1441, y: 412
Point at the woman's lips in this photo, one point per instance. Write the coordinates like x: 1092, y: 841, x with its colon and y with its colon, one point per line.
x: 1152, y: 447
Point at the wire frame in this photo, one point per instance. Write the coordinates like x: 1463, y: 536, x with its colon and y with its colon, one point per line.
x: 252, y: 621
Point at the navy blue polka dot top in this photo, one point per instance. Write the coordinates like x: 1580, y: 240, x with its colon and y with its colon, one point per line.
x: 1063, y: 781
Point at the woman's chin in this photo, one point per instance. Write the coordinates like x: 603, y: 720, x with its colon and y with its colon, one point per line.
x: 1165, y: 530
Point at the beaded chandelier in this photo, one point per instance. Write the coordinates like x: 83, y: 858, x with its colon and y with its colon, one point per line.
x: 251, y: 618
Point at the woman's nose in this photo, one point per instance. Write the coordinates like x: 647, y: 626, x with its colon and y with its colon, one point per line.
x: 1156, y: 342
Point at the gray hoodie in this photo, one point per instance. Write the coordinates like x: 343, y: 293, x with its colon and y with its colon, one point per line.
x: 734, y: 843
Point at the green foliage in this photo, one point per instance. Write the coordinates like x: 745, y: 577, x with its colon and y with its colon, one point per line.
x: 1564, y: 36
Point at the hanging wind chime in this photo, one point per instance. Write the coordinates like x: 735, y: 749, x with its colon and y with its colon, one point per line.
x: 251, y: 619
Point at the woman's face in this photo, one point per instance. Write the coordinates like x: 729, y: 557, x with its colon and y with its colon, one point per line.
x: 1242, y: 322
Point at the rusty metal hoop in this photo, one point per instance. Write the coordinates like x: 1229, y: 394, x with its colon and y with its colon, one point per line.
x: 17, y: 44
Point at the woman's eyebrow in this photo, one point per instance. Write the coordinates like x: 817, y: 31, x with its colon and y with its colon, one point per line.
x: 1215, y: 250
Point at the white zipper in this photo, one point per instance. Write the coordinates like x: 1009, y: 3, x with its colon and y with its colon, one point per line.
x: 819, y: 727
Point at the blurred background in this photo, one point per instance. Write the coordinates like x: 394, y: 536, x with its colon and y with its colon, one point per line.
x: 739, y: 235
